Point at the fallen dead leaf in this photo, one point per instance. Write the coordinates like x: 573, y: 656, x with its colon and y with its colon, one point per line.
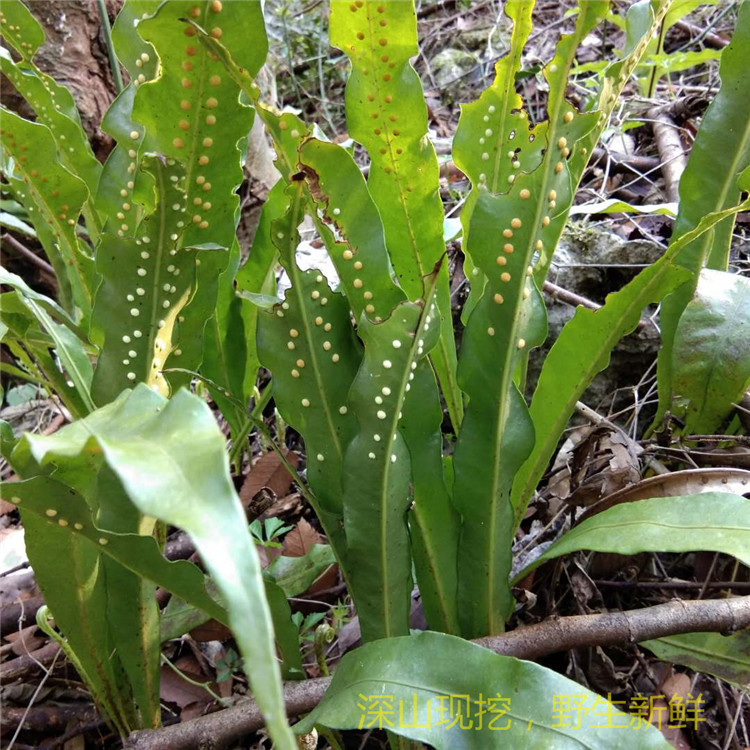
x: 178, y: 691
x: 26, y: 640
x: 300, y: 539
x: 268, y: 471
x: 297, y: 543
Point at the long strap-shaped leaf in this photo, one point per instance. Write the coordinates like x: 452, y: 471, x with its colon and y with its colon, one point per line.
x: 712, y: 353
x: 308, y: 343
x: 642, y: 21
x: 387, y: 114
x: 495, y: 143
x: 21, y: 29
x: 356, y: 238
x: 720, y: 152
x: 433, y: 521
x: 497, y: 434
x: 495, y: 701
x: 54, y: 198
x: 55, y: 108
x: 66, y: 338
x: 170, y: 457
x: 146, y: 283
x: 192, y: 113
x: 583, y: 348
x: 124, y: 194
x: 356, y: 242
x: 377, y: 470
x: 710, y: 521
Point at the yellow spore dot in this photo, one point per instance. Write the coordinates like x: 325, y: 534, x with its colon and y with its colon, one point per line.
x: 184, y: 125
x: 505, y: 277
x: 212, y: 102
x: 216, y: 6
x: 515, y: 223
x: 203, y: 160
x: 508, y: 248
x: 211, y: 120
x: 568, y: 117
x: 525, y: 194
x: 135, y: 135
x: 507, y: 232
x: 214, y: 80
x: 208, y: 142
x: 562, y: 143
x: 216, y: 32
x: 498, y: 299
x: 185, y: 104
x: 501, y: 260
x: 178, y: 143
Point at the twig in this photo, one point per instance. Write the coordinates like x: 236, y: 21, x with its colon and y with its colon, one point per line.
x: 24, y: 251
x: 620, y: 162
x: 19, y: 614
x: 667, y: 136
x: 24, y: 715
x: 571, y: 298
x: 711, y: 38
x: 696, y: 585
x: 23, y: 665
x: 550, y: 636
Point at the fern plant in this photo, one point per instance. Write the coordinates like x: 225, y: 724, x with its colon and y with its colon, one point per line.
x: 152, y: 296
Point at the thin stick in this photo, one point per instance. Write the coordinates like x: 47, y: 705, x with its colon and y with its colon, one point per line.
x: 24, y: 251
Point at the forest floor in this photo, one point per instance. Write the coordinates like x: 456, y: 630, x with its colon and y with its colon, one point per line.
x: 44, y: 701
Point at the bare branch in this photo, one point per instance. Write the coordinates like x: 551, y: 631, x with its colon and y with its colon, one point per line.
x: 556, y: 634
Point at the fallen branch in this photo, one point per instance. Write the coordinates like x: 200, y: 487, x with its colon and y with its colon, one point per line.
x: 223, y: 727
x: 556, y: 634
x: 631, y: 626
x: 571, y: 298
x: 23, y: 666
x: 673, y: 158
x: 24, y: 251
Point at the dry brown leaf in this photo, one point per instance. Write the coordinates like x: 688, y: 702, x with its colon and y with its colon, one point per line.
x: 212, y: 630
x: 688, y: 482
x: 675, y: 688
x: 178, y: 691
x: 26, y: 640
x: 268, y: 471
x: 298, y: 541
